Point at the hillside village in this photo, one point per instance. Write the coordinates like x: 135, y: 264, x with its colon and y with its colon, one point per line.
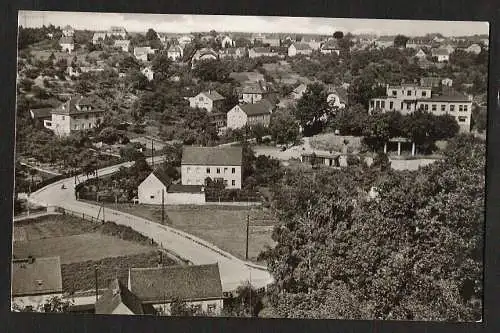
x: 265, y: 124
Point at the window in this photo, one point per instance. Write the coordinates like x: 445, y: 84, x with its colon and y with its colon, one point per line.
x: 460, y: 108
x: 426, y: 107
x: 86, y: 116
x: 394, y: 93
x: 225, y: 170
x: 443, y: 107
x: 424, y: 93
x: 233, y: 182
x: 391, y: 105
x: 372, y: 103
x: 465, y: 107
x: 382, y: 104
x: 462, y: 119
x: 401, y: 106
x: 152, y: 197
x: 188, y: 169
x: 197, y: 308
x: 408, y: 107
x: 208, y: 170
x: 233, y: 170
x: 452, y: 107
x: 211, y: 307
x: 62, y: 117
x: 408, y: 93
x: 377, y: 104
x: 433, y: 107
x: 218, y: 170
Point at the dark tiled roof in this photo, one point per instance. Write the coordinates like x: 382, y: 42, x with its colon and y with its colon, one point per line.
x: 162, y: 176
x: 118, y: 294
x: 212, y: 155
x: 447, y: 98
x: 430, y: 81
x: 262, y: 50
x: 330, y: 45
x: 188, y: 283
x: 262, y: 107
x: 302, y: 46
x: 42, y: 276
x: 41, y: 113
x: 213, y: 95
x: 66, y: 40
x: 71, y: 106
x: 440, y: 51
x: 179, y: 188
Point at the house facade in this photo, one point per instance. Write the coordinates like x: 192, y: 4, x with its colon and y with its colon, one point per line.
x: 257, y: 52
x: 141, y: 53
x: 420, y: 54
x: 255, y: 91
x: 68, y: 31
x: 35, y: 281
x: 157, y: 189
x: 118, y: 300
x: 77, y: 114
x: 441, y: 54
x: 330, y: 47
x: 208, y: 100
x: 299, y: 48
x: 224, y: 163
x: 148, y: 73
x: 250, y: 115
x: 203, y: 54
x: 199, y: 286
x: 235, y: 53
x: 409, y: 98
x: 474, y: 48
x: 298, y: 92
x: 123, y: 44
x: 40, y: 115
x: 384, y: 41
x: 226, y: 42
x: 67, y: 44
x: 175, y: 52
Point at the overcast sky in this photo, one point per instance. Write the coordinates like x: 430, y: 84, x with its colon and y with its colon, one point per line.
x: 191, y: 23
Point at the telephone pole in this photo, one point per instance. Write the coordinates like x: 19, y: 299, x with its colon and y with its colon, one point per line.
x: 248, y: 224
x: 152, y: 154
x: 162, y: 206
x: 96, y: 289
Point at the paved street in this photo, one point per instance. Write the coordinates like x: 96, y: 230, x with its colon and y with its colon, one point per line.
x: 233, y: 270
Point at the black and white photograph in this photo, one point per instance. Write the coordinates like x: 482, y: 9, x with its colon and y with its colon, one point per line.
x: 249, y: 166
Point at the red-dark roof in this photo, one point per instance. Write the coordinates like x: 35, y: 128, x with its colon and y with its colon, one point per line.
x: 162, y: 177
x: 213, y: 95
x: 301, y: 46
x: 440, y: 51
x: 187, y: 283
x: 40, y: 277
x: 212, y: 155
x: 118, y: 294
x: 331, y: 44
x: 41, y: 113
x: 179, y: 188
x: 71, y: 106
x: 262, y: 107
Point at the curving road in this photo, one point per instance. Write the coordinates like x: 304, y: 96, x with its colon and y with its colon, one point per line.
x: 233, y: 271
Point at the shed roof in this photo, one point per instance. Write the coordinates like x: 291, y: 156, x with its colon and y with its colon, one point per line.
x: 179, y: 188
x: 118, y: 294
x: 188, y: 283
x: 262, y: 107
x: 212, y: 155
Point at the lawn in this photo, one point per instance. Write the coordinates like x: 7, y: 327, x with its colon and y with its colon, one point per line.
x: 330, y: 141
x: 76, y: 248
x: 223, y: 226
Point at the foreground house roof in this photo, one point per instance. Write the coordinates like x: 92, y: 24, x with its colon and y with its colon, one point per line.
x: 180, y: 188
x: 212, y: 155
x: 262, y: 107
x: 41, y: 113
x: 77, y: 105
x: 115, y: 295
x: 164, y: 284
x: 213, y: 95
x: 162, y: 177
x: 36, y: 276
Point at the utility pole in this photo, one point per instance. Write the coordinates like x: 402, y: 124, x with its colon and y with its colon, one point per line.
x: 152, y: 154
x: 248, y: 224
x: 162, y: 206
x: 96, y: 287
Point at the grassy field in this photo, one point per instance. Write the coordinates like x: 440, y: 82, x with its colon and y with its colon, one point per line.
x: 283, y: 73
x: 222, y: 226
x: 76, y: 248
x: 80, y: 276
x: 330, y: 141
x: 242, y: 77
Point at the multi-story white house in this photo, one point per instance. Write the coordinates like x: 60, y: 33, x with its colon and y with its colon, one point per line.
x: 207, y: 100
x: 141, y: 53
x: 233, y: 52
x: 242, y: 115
x: 299, y: 48
x: 68, y: 31
x: 148, y: 73
x: 203, y: 54
x: 223, y: 163
x: 198, y: 286
x: 76, y: 114
x: 329, y: 47
x: 226, y: 42
x: 123, y: 44
x: 410, y: 97
x: 174, y: 52
x: 35, y: 281
x: 67, y: 44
